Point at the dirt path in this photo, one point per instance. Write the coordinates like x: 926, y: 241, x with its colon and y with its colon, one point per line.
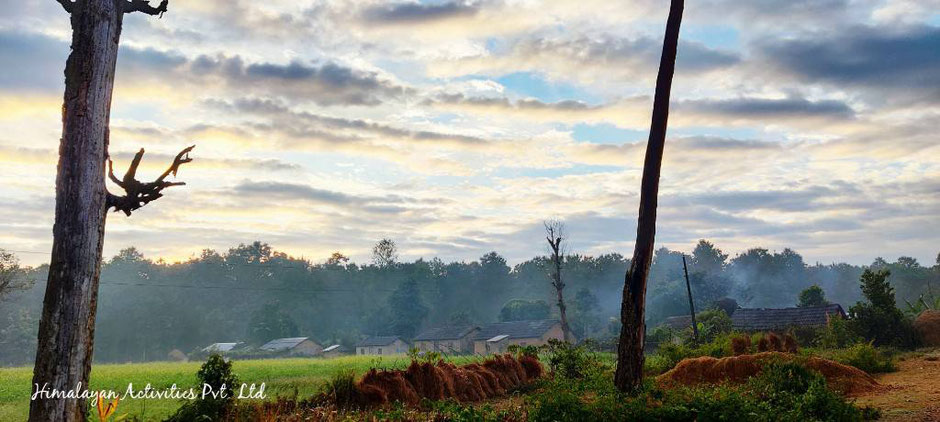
x: 910, y: 395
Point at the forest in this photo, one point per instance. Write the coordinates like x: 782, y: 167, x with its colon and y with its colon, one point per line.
x: 253, y: 293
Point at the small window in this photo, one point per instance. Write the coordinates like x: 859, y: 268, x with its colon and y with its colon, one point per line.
x: 380, y: 350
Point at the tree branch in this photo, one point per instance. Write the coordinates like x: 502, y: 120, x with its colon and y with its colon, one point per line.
x: 66, y: 4
x: 144, y: 6
x: 138, y: 194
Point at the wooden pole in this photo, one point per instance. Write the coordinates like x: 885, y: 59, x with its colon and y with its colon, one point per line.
x: 688, y: 287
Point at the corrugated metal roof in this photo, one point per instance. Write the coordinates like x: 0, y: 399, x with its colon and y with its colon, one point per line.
x: 283, y: 343
x: 377, y: 341
x: 498, y: 338
x: 752, y: 319
x: 220, y: 347
x: 337, y: 347
x: 516, y: 329
x: 446, y: 333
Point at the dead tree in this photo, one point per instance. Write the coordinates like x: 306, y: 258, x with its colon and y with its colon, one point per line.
x: 554, y: 234
x: 629, y: 372
x: 67, y: 327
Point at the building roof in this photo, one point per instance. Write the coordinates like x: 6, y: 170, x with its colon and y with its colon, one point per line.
x: 498, y: 338
x: 220, y: 347
x: 516, y: 329
x: 335, y: 347
x: 750, y: 319
x: 377, y: 341
x: 283, y: 343
x: 446, y: 333
x: 679, y: 322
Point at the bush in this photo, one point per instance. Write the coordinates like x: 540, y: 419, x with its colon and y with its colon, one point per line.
x: 217, y: 374
x: 569, y: 361
x: 837, y: 334
x: 783, y: 392
x: 863, y: 356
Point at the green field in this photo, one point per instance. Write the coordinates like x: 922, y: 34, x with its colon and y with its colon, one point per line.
x: 282, y: 377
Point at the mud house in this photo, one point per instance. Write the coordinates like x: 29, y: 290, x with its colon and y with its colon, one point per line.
x: 498, y: 336
x: 774, y: 319
x: 293, y: 346
x: 381, y: 345
x: 450, y: 340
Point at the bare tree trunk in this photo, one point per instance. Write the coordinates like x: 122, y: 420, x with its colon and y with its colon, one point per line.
x: 554, y: 231
x: 67, y: 327
x: 629, y: 372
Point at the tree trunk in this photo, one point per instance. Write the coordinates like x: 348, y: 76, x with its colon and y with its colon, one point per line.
x: 559, y: 288
x: 67, y: 328
x: 629, y: 372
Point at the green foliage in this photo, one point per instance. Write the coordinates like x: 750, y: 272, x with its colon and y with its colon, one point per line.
x: 568, y: 361
x: 12, y: 277
x: 217, y: 374
x: 270, y: 322
x: 879, y: 320
x: 407, y: 308
x: 452, y: 411
x: 837, y: 334
x: 529, y: 350
x: 812, y: 296
x: 521, y: 310
x: 670, y: 354
x: 712, y: 324
x: 783, y: 392
x: 416, y: 355
x: 863, y: 356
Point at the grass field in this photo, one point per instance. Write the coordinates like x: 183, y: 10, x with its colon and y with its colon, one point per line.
x: 282, y: 377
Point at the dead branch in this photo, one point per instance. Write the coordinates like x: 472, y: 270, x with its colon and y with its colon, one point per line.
x: 138, y: 194
x: 66, y: 4
x: 144, y: 6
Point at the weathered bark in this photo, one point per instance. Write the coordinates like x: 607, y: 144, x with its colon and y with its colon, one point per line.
x: 67, y: 327
x: 629, y: 372
x: 553, y: 230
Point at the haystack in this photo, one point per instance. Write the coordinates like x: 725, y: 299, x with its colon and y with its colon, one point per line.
x: 736, y: 369
x: 927, y: 326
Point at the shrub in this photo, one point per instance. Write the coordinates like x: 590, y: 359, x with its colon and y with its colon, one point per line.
x: 836, y: 334
x: 567, y: 360
x: 864, y: 356
x: 217, y: 374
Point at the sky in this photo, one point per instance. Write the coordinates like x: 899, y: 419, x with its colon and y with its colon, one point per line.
x: 456, y: 127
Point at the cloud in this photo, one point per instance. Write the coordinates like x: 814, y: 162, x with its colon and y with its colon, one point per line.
x: 411, y: 13
x: 32, y: 62
x: 896, y: 63
x: 590, y: 58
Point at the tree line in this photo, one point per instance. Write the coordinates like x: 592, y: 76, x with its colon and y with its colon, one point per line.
x: 254, y: 293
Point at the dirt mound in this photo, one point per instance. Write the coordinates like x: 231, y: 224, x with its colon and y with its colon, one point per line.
x: 468, y: 383
x: 927, y: 326
x: 736, y: 369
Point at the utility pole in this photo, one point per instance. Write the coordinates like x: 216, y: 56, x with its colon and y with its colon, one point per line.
x: 688, y: 287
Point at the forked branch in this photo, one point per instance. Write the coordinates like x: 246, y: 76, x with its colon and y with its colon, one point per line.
x: 144, y: 6
x: 138, y: 194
